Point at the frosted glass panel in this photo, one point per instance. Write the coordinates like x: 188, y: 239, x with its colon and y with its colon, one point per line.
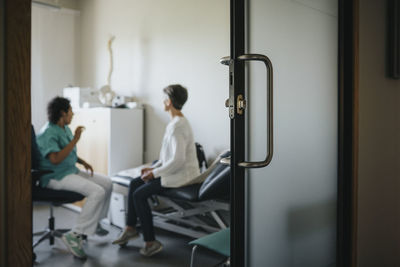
x: 292, y: 202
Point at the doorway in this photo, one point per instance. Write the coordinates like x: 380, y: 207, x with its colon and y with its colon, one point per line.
x: 21, y: 9
x: 151, y: 48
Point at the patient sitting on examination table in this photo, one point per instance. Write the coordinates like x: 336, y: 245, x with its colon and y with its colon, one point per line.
x: 177, y: 166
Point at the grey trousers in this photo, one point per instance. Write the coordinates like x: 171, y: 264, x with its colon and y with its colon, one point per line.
x: 96, y: 189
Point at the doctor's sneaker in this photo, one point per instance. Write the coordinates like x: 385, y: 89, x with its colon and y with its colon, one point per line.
x: 154, y: 248
x: 125, y: 237
x: 100, y: 231
x: 73, y: 241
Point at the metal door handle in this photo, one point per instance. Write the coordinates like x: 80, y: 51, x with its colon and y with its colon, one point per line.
x: 225, y: 60
x: 268, y: 65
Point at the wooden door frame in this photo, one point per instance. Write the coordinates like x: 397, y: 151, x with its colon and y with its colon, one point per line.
x: 2, y: 119
x: 15, y: 181
x: 15, y: 120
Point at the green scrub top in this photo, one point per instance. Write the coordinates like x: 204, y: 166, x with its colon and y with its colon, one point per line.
x: 53, y: 138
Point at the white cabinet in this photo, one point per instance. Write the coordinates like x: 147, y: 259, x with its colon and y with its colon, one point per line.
x: 112, y: 140
x: 118, y: 209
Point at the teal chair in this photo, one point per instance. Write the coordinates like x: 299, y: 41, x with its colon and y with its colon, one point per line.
x: 218, y: 242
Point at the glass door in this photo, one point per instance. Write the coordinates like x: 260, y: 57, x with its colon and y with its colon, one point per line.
x: 283, y: 107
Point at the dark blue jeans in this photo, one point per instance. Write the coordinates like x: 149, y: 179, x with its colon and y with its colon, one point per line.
x: 138, y: 207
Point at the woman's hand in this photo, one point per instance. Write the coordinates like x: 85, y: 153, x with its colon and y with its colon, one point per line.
x: 87, y: 166
x: 144, y: 170
x: 78, y: 132
x: 147, y: 176
x: 58, y: 157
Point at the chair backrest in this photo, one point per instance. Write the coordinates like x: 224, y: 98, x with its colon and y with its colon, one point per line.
x: 217, y: 183
x: 201, y: 157
x: 35, y: 159
x: 35, y: 152
x: 218, y: 242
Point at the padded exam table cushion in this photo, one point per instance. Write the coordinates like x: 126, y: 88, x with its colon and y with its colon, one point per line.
x: 215, y: 186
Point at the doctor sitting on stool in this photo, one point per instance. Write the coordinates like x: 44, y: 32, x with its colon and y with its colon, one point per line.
x: 58, y: 147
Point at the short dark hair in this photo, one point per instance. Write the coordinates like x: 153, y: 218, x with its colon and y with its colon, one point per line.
x: 54, y: 108
x: 178, y: 95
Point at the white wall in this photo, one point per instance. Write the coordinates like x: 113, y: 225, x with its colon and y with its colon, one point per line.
x: 379, y: 145
x: 54, y: 57
x: 157, y: 43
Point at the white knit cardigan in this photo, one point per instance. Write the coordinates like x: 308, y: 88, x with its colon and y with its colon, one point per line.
x: 178, y: 164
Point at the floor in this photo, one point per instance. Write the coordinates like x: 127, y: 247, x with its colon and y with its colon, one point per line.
x: 101, y: 252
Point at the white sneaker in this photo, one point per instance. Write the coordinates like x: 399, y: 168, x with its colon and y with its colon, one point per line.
x: 73, y: 241
x: 125, y: 237
x: 151, y: 250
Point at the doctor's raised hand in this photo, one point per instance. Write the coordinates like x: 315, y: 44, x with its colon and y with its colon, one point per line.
x: 78, y: 132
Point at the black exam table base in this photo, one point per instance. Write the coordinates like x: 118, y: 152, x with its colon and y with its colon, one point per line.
x: 190, y: 218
